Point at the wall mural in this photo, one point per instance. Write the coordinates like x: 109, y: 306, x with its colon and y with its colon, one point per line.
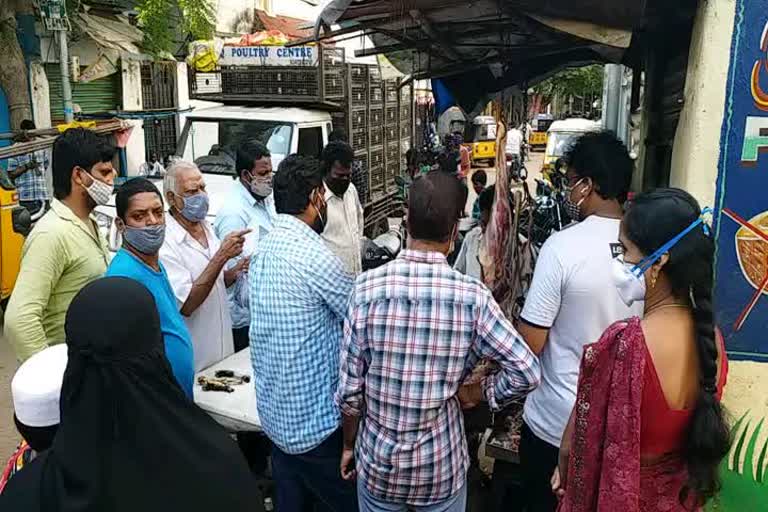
x: 742, y: 225
x: 741, y: 290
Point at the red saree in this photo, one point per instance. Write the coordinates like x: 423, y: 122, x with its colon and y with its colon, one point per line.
x: 604, y: 471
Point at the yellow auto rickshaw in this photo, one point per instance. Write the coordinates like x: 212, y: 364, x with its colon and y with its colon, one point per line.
x: 561, y: 135
x: 15, y: 224
x: 483, y: 139
x: 538, y: 138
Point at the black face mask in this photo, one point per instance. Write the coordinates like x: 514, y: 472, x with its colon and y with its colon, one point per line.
x: 338, y: 186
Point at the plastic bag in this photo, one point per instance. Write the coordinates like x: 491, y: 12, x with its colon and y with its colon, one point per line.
x: 204, y: 55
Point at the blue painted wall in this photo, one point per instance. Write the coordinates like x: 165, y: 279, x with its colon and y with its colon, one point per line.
x: 742, y: 191
x: 5, y: 117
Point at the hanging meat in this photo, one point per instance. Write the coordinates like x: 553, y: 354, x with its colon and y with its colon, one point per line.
x: 506, y: 254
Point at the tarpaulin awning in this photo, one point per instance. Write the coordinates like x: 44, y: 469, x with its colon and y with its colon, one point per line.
x: 107, y: 33
x: 485, y: 46
x: 113, y: 37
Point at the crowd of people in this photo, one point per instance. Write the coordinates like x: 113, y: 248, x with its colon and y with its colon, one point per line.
x: 361, y: 378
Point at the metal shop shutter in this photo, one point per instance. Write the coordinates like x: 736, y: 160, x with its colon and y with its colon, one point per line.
x: 97, y: 96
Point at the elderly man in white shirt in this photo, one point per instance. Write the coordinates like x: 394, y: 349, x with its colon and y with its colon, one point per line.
x: 194, y: 259
x: 344, y: 226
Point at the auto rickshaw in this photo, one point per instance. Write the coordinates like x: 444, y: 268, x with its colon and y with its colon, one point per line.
x: 15, y: 224
x: 560, y: 136
x: 541, y: 124
x: 483, y: 139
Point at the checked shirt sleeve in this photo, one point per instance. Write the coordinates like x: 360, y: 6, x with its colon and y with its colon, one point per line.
x: 498, y: 341
x: 355, y: 358
x: 332, y: 282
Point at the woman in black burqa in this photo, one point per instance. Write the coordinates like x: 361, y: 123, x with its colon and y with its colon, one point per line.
x: 129, y: 438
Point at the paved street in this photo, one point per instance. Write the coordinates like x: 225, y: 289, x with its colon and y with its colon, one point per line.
x: 534, y: 163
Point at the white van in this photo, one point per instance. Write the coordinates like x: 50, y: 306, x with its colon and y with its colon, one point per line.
x: 210, y: 138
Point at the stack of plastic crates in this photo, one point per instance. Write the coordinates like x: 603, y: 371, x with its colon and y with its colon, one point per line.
x: 333, y: 71
x: 376, y: 128
x: 360, y: 177
x: 406, y: 113
x: 391, y: 132
x: 286, y: 83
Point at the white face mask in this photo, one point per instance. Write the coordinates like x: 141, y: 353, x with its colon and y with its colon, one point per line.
x: 99, y: 191
x: 629, y: 278
x: 629, y: 284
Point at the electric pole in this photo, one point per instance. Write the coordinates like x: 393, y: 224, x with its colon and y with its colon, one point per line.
x: 54, y: 15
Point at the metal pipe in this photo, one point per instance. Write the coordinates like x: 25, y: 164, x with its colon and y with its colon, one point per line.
x: 66, y: 87
x: 611, y: 97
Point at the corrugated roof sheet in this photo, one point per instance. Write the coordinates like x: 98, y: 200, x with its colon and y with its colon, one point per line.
x: 292, y: 27
x: 485, y: 46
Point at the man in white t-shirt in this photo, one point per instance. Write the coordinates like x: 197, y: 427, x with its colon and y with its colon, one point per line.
x: 514, y: 143
x: 572, y: 300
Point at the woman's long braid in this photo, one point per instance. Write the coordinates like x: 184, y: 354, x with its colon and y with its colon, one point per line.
x: 708, y: 439
x: 701, y: 293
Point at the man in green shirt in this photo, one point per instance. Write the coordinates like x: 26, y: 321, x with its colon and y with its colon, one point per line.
x: 65, y: 250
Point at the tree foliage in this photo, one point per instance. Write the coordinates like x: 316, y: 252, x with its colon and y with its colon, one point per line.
x: 155, y: 17
x: 576, y: 82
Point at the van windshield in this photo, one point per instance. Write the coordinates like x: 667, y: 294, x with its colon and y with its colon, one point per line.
x: 212, y: 144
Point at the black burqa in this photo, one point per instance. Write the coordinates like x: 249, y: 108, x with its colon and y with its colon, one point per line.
x: 129, y: 439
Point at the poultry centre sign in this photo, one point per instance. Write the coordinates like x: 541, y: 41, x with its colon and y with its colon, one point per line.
x: 269, y: 56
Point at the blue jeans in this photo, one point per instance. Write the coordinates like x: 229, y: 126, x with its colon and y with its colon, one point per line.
x: 368, y: 503
x: 312, y: 481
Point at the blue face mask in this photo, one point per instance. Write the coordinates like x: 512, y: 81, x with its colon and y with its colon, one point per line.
x: 195, y: 207
x: 146, y: 240
x: 630, y: 279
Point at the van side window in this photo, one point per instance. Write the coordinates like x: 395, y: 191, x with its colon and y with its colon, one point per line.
x: 310, y: 141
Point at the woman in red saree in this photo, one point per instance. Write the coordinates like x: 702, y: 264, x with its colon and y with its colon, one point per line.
x: 647, y: 433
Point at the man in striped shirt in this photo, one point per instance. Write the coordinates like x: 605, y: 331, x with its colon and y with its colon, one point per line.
x: 414, y: 331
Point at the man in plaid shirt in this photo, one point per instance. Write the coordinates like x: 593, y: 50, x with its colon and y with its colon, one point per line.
x: 414, y: 331
x: 298, y: 297
x: 28, y: 173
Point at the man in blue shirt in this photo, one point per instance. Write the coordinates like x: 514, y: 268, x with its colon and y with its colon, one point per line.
x: 249, y: 205
x: 299, y: 295
x: 142, y: 225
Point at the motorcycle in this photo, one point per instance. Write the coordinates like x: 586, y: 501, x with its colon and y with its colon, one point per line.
x: 382, y: 249
x: 516, y: 167
x: 549, y: 212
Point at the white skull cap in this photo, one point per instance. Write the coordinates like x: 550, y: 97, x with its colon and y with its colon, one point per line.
x: 36, y: 387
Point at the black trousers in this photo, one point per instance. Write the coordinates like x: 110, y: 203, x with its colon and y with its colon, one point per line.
x: 538, y: 460
x: 312, y: 481
x: 241, y: 338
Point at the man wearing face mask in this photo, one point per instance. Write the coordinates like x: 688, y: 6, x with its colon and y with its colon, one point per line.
x: 249, y: 205
x: 415, y: 330
x: 195, y: 260
x: 65, y: 251
x: 572, y: 300
x: 299, y: 295
x: 344, y: 225
x: 141, y: 222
